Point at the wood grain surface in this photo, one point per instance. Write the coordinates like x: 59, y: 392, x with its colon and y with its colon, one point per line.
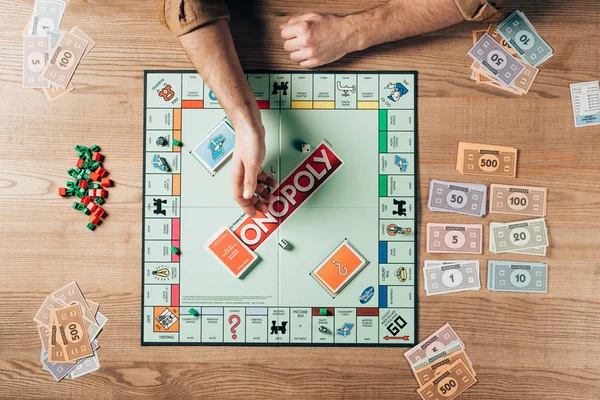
x: 522, y: 346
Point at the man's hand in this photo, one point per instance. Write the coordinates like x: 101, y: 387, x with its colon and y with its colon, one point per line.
x: 250, y: 182
x: 317, y: 39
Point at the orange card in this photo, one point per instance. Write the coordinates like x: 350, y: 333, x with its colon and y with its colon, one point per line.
x: 339, y: 268
x: 231, y: 252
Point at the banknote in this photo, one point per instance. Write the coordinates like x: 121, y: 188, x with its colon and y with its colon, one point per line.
x: 44, y: 333
x: 520, y: 86
x: 54, y: 92
x: 492, y: 30
x: 43, y: 315
x: 450, y: 382
x: 437, y: 340
x: 485, y: 159
x: 520, y: 200
x: 47, y: 15
x: 61, y: 370
x: 71, y: 293
x: 454, y: 238
x: 74, y: 337
x: 54, y: 36
x: 518, y: 31
x: 461, y: 198
x: 517, y: 276
x: 80, y: 34
x: 430, y: 371
x: 89, y: 364
x: 451, y: 277
x: 496, y: 60
x: 56, y: 349
x: 519, y: 235
x: 93, y: 330
x: 532, y: 251
x: 65, y: 59
x: 441, y: 353
x: 93, y: 306
x: 36, y: 51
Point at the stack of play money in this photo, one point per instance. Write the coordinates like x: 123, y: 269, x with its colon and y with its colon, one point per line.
x: 486, y: 159
x: 50, y: 56
x: 460, y: 198
x: 443, y: 277
x: 454, y: 238
x: 441, y: 365
x: 506, y: 56
x: 519, y: 200
x: 522, y: 237
x: 68, y: 326
x: 517, y: 276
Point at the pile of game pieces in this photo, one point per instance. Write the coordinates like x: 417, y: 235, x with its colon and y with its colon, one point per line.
x: 68, y: 326
x: 522, y: 237
x: 517, y: 276
x: 460, y: 198
x: 506, y: 56
x: 441, y: 365
x: 51, y: 56
x: 442, y: 277
x: 89, y: 185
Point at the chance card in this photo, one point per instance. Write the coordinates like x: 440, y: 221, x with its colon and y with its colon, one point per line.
x: 231, y: 252
x: 343, y: 264
x: 216, y: 148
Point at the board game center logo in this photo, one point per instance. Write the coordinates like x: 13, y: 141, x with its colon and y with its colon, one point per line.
x: 367, y: 295
x: 293, y: 191
x: 402, y: 274
x: 216, y: 146
x: 398, y: 90
x: 393, y: 230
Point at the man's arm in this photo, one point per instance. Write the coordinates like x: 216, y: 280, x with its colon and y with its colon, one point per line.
x: 317, y: 39
x: 212, y: 52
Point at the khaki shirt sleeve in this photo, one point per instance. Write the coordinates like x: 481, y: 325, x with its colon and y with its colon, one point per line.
x: 184, y: 16
x: 478, y: 10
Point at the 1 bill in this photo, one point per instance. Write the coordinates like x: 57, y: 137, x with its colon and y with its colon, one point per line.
x: 71, y: 293
x: 454, y: 238
x: 61, y: 370
x: 47, y: 15
x: 496, y: 60
x: 524, y: 39
x: 516, y: 276
x: 519, y: 235
x: 65, y: 59
x: 461, y: 198
x: 485, y: 159
x: 74, y: 338
x: 441, y: 353
x: 436, y: 341
x: 36, y: 51
x: 451, y: 277
x: 520, y: 200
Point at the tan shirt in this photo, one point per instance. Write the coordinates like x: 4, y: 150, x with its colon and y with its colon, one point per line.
x: 184, y: 16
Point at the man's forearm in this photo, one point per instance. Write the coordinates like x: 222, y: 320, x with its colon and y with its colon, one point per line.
x: 212, y: 52
x: 400, y: 19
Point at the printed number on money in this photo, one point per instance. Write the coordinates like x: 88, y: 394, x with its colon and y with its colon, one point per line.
x: 527, y: 40
x: 74, y: 331
x: 520, y: 237
x: 497, y: 58
x: 448, y: 386
x: 65, y: 58
x: 517, y: 201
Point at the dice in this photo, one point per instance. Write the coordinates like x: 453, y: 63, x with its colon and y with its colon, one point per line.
x: 284, y: 244
x: 306, y: 148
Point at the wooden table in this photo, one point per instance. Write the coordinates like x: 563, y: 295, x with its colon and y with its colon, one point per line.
x: 522, y: 346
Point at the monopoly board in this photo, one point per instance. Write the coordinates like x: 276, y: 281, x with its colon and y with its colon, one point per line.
x: 346, y: 209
